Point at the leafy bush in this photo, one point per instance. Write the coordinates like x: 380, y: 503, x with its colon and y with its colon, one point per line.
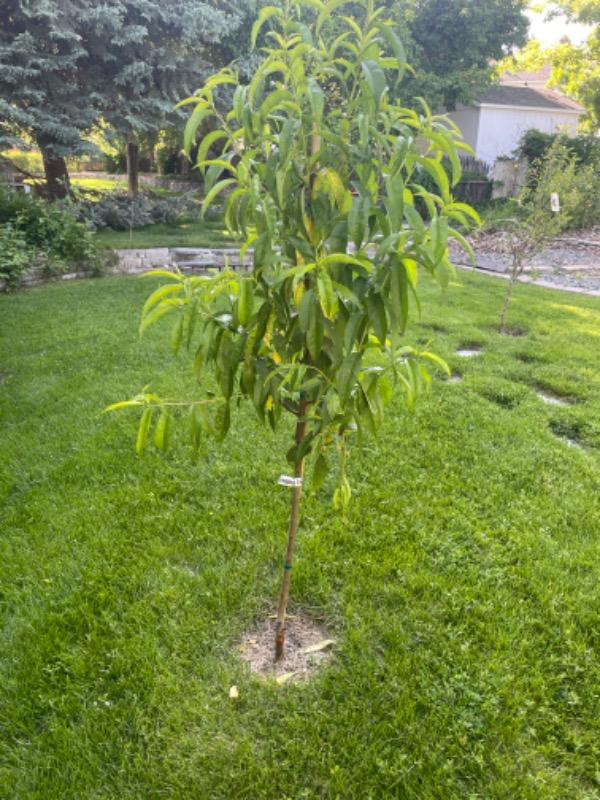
x: 47, y: 236
x: 575, y: 183
x: 585, y: 149
x: 15, y: 255
x: 121, y: 212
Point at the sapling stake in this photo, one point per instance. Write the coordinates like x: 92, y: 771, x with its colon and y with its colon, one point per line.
x: 292, y: 534
x: 316, y: 155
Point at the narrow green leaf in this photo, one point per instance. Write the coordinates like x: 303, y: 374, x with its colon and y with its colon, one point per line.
x: 346, y: 376
x: 358, y: 220
x: 162, y: 430
x: 314, y: 335
x: 395, y: 201
x: 245, y: 301
x: 198, y: 115
x: 158, y: 312
x: 377, y: 316
x: 123, y: 404
x: 435, y: 359
x: 316, y: 99
x: 143, y: 429
x: 214, y: 192
x: 320, y: 470
x: 160, y: 294
x: 207, y: 142
x: 265, y: 13
x: 327, y: 296
x: 177, y: 334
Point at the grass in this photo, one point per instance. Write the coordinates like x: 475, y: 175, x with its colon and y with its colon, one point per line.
x: 118, y: 183
x: 101, y: 185
x: 462, y: 585
x: 187, y: 233
x: 496, y: 213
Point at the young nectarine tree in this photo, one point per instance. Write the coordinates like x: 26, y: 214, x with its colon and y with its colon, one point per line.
x: 322, y: 173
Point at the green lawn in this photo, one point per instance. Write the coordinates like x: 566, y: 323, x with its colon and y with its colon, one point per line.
x: 118, y: 183
x: 462, y: 584
x: 187, y: 233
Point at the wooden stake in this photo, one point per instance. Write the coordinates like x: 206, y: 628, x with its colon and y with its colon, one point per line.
x: 292, y: 534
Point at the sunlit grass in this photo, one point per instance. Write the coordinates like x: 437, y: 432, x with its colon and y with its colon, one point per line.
x: 462, y: 585
x: 187, y: 233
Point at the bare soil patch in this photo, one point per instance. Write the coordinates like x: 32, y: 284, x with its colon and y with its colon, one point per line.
x: 469, y: 351
x: 553, y: 399
x: 517, y: 333
x: 308, y: 647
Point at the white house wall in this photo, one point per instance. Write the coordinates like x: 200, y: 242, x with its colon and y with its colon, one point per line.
x: 500, y: 128
x: 467, y: 120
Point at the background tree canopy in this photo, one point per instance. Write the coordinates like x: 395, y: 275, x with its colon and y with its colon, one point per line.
x: 575, y: 68
x: 67, y: 65
x: 64, y: 66
x: 451, y: 44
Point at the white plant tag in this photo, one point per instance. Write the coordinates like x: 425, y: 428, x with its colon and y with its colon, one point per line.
x: 555, y: 202
x: 287, y: 480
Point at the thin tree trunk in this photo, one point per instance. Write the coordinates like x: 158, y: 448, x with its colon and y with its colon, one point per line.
x: 292, y: 533
x: 58, y: 184
x: 133, y: 149
x: 507, y: 297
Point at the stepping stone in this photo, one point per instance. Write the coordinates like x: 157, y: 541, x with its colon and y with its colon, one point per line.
x: 469, y: 352
x: 552, y: 399
x: 571, y: 443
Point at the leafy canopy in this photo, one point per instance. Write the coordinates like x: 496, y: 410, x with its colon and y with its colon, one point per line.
x: 453, y: 42
x: 322, y: 174
x: 575, y: 67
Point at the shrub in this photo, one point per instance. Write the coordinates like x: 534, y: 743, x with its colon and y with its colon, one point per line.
x: 120, y: 212
x: 48, y: 236
x: 535, y: 145
x: 575, y: 183
x: 15, y: 255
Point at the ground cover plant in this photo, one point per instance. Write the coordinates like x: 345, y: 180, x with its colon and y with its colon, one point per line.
x: 462, y: 581
x: 316, y: 157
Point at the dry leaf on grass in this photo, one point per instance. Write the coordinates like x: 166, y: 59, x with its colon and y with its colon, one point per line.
x: 322, y: 645
x: 285, y: 677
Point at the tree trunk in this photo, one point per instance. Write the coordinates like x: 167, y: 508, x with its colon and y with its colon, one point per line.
x: 507, y: 296
x: 58, y: 184
x: 133, y: 149
x: 292, y: 533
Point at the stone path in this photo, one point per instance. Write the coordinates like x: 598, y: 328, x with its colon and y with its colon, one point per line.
x: 570, y: 264
x: 186, y: 259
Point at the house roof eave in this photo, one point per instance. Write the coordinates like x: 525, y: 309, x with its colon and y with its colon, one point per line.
x: 555, y: 109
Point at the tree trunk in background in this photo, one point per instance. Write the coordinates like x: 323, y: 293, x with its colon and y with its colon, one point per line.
x: 133, y: 153
x: 58, y: 184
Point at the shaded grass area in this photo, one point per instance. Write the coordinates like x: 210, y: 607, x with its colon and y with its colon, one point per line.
x: 186, y: 233
x: 461, y: 584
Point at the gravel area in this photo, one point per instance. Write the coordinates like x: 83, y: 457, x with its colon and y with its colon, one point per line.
x: 572, y: 262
